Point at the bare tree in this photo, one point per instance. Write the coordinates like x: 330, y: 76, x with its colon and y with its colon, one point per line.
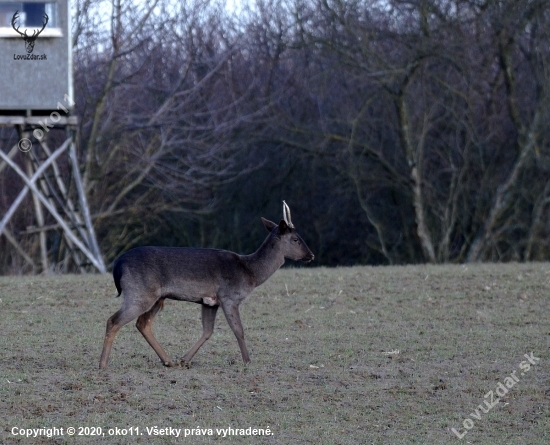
x: 158, y: 139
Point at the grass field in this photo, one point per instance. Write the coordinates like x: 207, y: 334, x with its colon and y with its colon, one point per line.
x: 388, y: 355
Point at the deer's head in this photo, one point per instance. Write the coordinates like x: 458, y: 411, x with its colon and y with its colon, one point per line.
x: 29, y: 40
x: 291, y: 244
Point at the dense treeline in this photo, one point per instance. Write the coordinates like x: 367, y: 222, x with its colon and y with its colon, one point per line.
x: 402, y: 131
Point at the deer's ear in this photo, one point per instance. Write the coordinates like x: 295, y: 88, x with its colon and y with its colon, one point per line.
x: 269, y: 225
x: 283, y: 227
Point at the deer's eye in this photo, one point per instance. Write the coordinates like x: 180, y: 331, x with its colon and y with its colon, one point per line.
x: 295, y: 240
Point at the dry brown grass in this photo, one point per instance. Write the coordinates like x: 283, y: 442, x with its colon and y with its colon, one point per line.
x: 322, y: 372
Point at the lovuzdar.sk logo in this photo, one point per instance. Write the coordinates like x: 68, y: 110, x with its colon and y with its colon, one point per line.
x: 29, y: 40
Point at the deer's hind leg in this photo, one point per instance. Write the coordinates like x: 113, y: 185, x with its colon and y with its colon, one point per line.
x: 123, y: 316
x: 208, y: 319
x: 144, y: 323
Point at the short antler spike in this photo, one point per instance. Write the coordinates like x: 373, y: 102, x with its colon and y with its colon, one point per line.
x: 286, y: 215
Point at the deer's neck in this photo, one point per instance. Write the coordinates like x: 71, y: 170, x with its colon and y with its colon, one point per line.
x: 265, y: 261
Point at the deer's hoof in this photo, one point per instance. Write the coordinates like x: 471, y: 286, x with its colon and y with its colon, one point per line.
x: 185, y: 364
x: 170, y: 364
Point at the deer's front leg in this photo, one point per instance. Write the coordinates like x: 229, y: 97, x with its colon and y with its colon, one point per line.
x: 231, y: 311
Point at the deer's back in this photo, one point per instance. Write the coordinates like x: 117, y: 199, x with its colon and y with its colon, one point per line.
x: 182, y: 273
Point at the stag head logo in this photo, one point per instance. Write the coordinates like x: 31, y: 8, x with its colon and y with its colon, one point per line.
x: 29, y: 40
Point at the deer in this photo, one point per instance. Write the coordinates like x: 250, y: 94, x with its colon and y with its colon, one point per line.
x: 146, y: 276
x: 29, y: 40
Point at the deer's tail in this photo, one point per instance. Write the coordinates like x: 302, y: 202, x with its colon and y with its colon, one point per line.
x: 117, y: 274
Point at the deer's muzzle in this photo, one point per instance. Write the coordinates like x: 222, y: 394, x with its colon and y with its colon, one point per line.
x: 308, y: 258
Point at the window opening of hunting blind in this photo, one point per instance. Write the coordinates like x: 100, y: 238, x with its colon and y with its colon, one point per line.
x: 30, y: 16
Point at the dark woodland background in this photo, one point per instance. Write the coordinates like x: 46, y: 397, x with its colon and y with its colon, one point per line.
x: 399, y: 131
